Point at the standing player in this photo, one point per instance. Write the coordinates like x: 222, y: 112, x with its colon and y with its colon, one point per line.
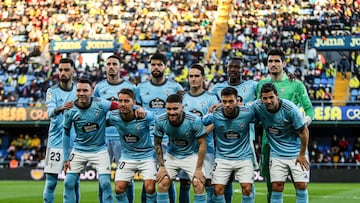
x: 108, y: 89
x: 187, y: 146
x: 293, y: 90
x: 58, y: 98
x: 247, y: 91
x: 137, y: 148
x: 153, y: 94
x: 198, y: 101
x: 233, y: 150
x: 288, y: 136
x: 88, y: 115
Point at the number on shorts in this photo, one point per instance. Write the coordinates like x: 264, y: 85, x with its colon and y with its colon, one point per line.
x: 214, y: 168
x: 55, y: 156
x: 71, y: 157
x: 121, y: 165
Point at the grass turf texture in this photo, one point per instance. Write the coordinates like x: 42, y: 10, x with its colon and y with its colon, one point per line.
x: 31, y: 192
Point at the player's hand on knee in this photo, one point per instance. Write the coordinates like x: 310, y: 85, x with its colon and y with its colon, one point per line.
x: 162, y: 174
x: 199, y: 177
x: 301, y: 159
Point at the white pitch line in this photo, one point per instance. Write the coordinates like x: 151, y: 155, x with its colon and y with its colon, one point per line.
x: 318, y: 196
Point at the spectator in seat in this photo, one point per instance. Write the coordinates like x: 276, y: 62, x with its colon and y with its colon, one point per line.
x: 35, y: 142
x: 343, y: 144
x: 344, y: 66
x: 335, y: 149
x: 354, y: 83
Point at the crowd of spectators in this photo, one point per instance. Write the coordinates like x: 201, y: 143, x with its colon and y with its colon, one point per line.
x: 181, y: 29
x: 336, y: 152
x: 25, y: 150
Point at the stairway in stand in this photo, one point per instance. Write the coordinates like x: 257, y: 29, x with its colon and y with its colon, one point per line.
x: 341, y: 89
x: 220, y: 28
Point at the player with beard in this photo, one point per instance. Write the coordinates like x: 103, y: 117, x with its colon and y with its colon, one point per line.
x: 58, y: 98
x: 153, y: 94
x: 187, y: 148
x: 137, y: 148
x: 108, y: 89
x: 198, y: 101
x: 247, y: 91
x: 88, y: 116
x: 233, y: 149
x: 288, y: 136
x: 290, y: 89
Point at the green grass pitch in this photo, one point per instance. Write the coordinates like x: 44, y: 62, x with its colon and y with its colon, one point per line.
x: 31, y: 192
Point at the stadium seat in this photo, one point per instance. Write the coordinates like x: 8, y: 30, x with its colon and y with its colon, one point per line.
x: 321, y: 148
x: 354, y: 92
x: 324, y: 81
x: 331, y: 81
x: 9, y: 88
x: 19, y: 154
x: 317, y: 81
x: 22, y: 102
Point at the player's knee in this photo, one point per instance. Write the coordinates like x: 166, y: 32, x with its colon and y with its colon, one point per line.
x: 300, y: 185
x: 219, y: 189
x: 164, y: 185
x: 246, y: 189
x: 277, y: 186
x: 105, y: 182
x: 120, y: 188
x: 149, y: 186
x: 69, y: 183
x: 198, y: 187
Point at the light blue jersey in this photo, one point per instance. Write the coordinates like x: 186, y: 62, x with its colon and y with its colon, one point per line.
x: 182, y: 138
x: 153, y: 97
x: 199, y: 105
x: 109, y: 91
x: 134, y: 136
x: 232, y: 134
x: 246, y: 89
x: 56, y: 97
x: 281, y: 128
x: 89, y: 125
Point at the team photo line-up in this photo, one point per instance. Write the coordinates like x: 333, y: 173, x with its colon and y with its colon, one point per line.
x: 204, y: 137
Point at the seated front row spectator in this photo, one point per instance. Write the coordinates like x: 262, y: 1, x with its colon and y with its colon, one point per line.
x: 354, y: 83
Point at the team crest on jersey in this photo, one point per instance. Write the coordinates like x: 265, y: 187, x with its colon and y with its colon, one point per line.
x: 187, y: 134
x: 242, y: 125
x: 138, y: 128
x: 48, y: 96
x: 37, y: 174
x: 243, y: 89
